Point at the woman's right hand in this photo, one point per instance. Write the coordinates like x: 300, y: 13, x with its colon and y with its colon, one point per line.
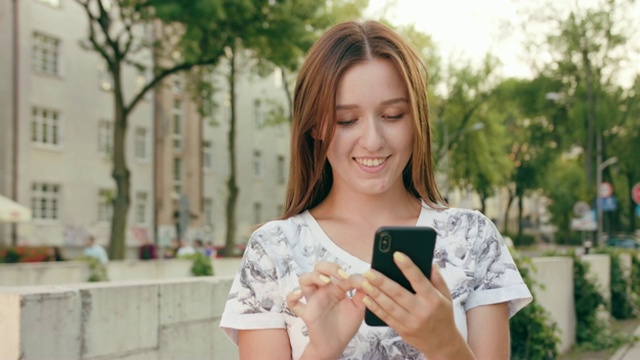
x: 332, y: 317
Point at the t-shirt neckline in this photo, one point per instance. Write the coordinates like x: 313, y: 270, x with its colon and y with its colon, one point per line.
x: 358, y: 264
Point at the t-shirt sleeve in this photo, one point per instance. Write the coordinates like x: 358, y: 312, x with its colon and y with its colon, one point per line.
x: 496, y: 277
x: 254, y: 301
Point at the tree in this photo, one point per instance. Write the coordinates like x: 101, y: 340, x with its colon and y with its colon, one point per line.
x: 117, y: 32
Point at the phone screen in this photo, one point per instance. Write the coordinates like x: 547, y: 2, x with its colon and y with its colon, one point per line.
x: 417, y: 242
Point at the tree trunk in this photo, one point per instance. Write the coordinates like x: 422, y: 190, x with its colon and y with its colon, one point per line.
x: 232, y: 186
x: 287, y: 92
x: 120, y: 174
x: 519, y: 224
x: 505, y: 230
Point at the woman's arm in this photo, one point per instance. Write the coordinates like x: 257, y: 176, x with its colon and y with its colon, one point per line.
x: 488, y: 331
x: 269, y: 344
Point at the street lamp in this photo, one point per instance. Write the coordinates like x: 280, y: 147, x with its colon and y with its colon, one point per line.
x: 457, y: 134
x: 601, y: 166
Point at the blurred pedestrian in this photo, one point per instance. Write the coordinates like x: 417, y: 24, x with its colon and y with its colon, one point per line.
x: 95, y: 250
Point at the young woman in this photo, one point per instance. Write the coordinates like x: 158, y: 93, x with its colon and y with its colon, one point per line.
x: 361, y: 159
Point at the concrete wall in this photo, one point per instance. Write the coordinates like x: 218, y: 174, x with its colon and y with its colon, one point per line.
x: 161, y: 319
x: 72, y: 272
x: 178, y: 318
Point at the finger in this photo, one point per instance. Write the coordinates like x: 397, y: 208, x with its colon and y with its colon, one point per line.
x: 331, y: 269
x: 335, y: 273
x: 419, y: 282
x: 438, y: 281
x: 389, y: 301
x: 309, y: 282
x: 293, y: 302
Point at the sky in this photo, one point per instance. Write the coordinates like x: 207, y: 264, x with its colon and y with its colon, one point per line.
x: 466, y: 28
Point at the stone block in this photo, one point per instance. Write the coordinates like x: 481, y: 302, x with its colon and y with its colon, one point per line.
x: 190, y: 340
x: 118, y: 318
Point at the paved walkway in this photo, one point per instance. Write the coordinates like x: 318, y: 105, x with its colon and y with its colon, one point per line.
x: 629, y: 352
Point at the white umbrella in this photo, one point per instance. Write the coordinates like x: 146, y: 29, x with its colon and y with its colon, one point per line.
x: 11, y: 211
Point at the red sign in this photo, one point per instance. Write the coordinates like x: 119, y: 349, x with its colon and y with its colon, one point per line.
x: 605, y: 190
x: 635, y: 193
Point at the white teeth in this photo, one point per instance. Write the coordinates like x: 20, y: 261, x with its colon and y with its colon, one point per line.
x: 370, y: 162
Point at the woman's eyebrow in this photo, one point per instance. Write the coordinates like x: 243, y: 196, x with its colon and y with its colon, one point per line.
x: 386, y: 102
x: 392, y: 101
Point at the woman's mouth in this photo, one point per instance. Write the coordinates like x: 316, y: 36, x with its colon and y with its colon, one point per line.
x: 371, y: 162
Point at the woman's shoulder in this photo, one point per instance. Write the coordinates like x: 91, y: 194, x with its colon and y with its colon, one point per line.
x: 279, y: 229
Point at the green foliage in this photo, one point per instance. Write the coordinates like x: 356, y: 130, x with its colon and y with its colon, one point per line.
x: 97, y: 270
x: 635, y: 276
x: 592, y: 331
x: 522, y: 239
x: 201, y: 264
x: 623, y: 304
x: 534, y: 335
x: 12, y: 256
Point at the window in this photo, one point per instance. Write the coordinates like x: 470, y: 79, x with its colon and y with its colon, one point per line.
x: 105, y: 137
x: 177, y: 175
x: 45, y: 201
x: 257, y: 164
x: 207, y: 155
x: 177, y: 125
x: 141, y: 143
x: 44, y: 53
x: 45, y: 126
x: 259, y: 116
x: 141, y: 208
x: 208, y: 211
x: 105, y: 205
x: 257, y: 213
x: 281, y: 170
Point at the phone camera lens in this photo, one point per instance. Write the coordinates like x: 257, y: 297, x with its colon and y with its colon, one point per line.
x: 385, y: 242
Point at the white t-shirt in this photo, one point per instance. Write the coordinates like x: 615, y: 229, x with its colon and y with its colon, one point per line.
x: 473, y: 259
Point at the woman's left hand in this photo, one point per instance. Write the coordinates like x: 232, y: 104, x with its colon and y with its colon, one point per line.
x: 425, y: 319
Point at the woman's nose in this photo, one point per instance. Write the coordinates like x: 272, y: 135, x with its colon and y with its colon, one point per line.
x: 372, y: 137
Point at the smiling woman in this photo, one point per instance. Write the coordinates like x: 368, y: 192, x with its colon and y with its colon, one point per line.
x: 361, y: 160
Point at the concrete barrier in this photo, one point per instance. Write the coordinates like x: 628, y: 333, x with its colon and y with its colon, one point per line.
x: 554, y: 275
x: 178, y: 318
x: 158, y: 319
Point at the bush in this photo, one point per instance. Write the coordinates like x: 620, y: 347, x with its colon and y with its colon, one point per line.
x: 623, y: 304
x: 533, y: 334
x: 201, y: 264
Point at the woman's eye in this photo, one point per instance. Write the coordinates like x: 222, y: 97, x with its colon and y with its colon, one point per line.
x: 346, y: 122
x: 395, y: 117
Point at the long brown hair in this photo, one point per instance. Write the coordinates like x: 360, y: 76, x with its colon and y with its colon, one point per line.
x: 342, y: 46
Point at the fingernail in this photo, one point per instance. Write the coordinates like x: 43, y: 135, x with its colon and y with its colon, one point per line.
x: 370, y: 275
x: 297, y: 292
x: 324, y: 279
x: 367, y: 286
x: 343, y: 274
x: 399, y: 257
x: 367, y: 301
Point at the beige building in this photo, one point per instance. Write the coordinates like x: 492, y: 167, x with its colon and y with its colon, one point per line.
x: 177, y: 160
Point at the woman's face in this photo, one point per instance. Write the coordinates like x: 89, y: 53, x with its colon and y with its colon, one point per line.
x: 373, y: 136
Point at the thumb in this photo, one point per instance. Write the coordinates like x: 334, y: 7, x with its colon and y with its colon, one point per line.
x: 438, y: 281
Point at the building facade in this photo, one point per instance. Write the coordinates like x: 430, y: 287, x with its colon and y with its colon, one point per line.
x: 64, y: 140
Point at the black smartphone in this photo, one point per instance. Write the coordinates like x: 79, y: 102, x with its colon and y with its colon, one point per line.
x: 417, y: 242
